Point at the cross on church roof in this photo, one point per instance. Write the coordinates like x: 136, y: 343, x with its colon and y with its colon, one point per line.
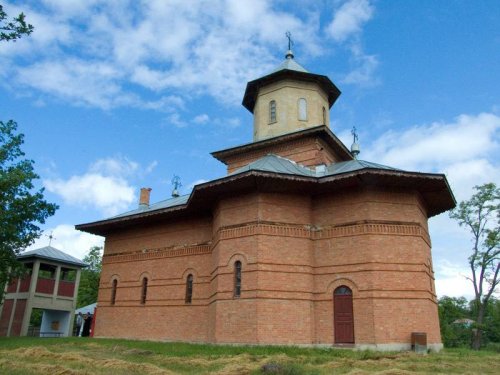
x: 51, y: 237
x: 289, y: 53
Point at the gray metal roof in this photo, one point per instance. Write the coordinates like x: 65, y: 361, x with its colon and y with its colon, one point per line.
x: 269, y: 163
x: 289, y: 64
x: 354, y: 165
x: 277, y: 164
x: 51, y: 253
x: 172, y: 202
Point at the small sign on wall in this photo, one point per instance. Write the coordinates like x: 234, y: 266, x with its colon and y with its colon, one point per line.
x: 55, y: 325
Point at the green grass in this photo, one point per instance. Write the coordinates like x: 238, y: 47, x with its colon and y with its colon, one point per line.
x: 106, y: 356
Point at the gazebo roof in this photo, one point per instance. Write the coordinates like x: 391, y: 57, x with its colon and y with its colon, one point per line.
x: 53, y: 254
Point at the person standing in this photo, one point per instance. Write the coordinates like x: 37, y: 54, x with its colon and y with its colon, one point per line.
x: 79, y: 323
x: 87, y: 323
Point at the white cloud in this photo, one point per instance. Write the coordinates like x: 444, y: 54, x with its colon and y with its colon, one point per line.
x: 176, y: 120
x: 451, y: 280
x: 349, y: 18
x: 91, y: 53
x: 201, y: 119
x: 84, y: 82
x: 111, y: 195
x: 346, y: 25
x: 120, y: 166
x: 69, y: 240
x: 438, y: 145
x: 151, y: 167
x: 104, y: 186
x: 364, y: 70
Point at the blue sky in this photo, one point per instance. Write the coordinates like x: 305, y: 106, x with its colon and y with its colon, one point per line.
x: 113, y: 96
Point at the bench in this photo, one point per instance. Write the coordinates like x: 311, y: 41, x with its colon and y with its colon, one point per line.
x: 51, y: 334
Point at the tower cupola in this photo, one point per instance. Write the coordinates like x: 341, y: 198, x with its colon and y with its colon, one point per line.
x: 289, y: 99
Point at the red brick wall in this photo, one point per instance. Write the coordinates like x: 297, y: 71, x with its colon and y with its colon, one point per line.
x: 308, y: 152
x: 295, y: 250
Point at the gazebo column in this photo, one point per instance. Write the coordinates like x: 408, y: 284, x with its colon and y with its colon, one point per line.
x: 31, y: 295
x: 77, y: 284
x: 56, y: 284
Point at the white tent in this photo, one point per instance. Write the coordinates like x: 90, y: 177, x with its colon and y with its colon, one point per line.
x: 89, y: 309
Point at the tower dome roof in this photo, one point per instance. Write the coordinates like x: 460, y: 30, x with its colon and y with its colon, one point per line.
x: 289, y: 69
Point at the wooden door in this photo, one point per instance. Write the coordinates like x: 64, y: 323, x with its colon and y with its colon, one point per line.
x: 343, y: 316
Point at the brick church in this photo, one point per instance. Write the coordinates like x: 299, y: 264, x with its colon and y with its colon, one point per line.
x: 301, y: 243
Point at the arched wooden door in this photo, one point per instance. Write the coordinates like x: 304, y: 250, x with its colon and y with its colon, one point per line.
x: 343, y: 318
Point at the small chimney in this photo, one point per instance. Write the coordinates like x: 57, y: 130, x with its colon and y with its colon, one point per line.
x: 144, y: 197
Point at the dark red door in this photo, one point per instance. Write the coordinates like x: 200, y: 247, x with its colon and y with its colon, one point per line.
x: 342, y: 315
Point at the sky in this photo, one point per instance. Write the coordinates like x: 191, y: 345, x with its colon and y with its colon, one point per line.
x: 115, y: 95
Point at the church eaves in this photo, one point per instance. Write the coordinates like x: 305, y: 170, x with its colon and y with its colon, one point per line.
x: 275, y: 173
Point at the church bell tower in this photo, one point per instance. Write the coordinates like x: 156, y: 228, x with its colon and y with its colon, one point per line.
x: 289, y: 99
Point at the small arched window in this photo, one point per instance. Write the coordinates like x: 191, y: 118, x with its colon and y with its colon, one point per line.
x: 343, y: 291
x: 114, y: 285
x: 144, y: 290
x: 302, y: 109
x: 189, y: 288
x: 324, y: 116
x: 272, y: 111
x: 237, y: 279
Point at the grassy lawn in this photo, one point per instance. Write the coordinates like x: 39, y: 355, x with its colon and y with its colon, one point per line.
x: 102, y: 356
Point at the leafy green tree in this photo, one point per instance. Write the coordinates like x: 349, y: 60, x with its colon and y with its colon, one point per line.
x: 22, y: 207
x: 89, y: 280
x: 451, y: 310
x: 481, y: 216
x: 491, y: 322
x: 15, y: 29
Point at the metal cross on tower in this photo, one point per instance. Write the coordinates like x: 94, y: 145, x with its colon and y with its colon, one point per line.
x: 354, y: 134
x: 290, y: 41
x: 51, y: 237
x: 176, y: 182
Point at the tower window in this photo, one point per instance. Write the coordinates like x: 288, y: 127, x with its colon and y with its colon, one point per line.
x: 324, y: 116
x: 237, y: 279
x: 272, y: 111
x: 302, y: 109
x: 144, y: 290
x: 113, y: 291
x: 189, y: 289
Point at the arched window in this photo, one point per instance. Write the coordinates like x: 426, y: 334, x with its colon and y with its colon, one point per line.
x: 189, y: 288
x: 237, y: 279
x: 302, y: 109
x: 343, y: 291
x: 144, y: 290
x: 114, y: 285
x: 324, y: 116
x: 272, y: 111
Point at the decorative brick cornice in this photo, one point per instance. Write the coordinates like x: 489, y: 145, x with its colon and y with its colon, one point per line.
x: 163, y: 252
x: 315, y: 233
x: 274, y: 229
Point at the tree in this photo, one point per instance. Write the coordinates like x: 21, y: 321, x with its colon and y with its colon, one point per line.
x: 451, y: 310
x: 22, y: 207
x: 89, y: 281
x: 15, y: 29
x: 481, y: 216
